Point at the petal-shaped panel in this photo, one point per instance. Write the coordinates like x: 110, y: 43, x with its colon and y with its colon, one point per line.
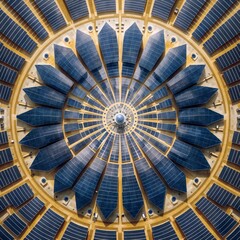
x: 132, y: 196
x: 153, y: 51
x: 46, y: 96
x: 54, y: 78
x: 85, y: 187
x: 131, y: 48
x: 51, y: 156
x: 107, y: 199
x: 87, y: 51
x: 68, y: 61
x: 68, y: 174
x: 174, y: 59
x: 43, y: 136
x: 151, y: 54
x: 186, y: 78
x: 199, y: 116
x: 187, y: 156
x: 41, y: 116
x: 194, y: 96
x: 152, y: 184
x: 109, y: 47
x: 198, y: 136
x: 173, y: 176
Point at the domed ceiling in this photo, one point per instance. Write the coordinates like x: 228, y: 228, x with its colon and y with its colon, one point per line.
x: 120, y: 123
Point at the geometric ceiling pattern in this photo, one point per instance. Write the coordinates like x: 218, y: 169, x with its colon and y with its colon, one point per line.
x: 119, y: 119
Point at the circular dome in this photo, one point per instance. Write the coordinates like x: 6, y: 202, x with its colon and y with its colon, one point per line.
x: 119, y: 120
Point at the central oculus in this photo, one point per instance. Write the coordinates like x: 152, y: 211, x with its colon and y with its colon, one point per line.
x: 120, y: 119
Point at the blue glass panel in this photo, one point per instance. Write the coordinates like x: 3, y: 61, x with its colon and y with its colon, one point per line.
x: 86, y: 185
x: 232, y: 75
x: 74, y: 104
x: 124, y: 149
x: 3, y: 137
x: 194, y: 96
x: 105, y: 6
x: 116, y: 88
x: 87, y: 51
x: 192, y: 227
x: 132, y: 90
x: 5, y: 156
x: 75, y: 231
x: 7, y: 74
x: 27, y: 15
x: 45, y: 96
x: 15, y: 224
x: 234, y: 157
x: 105, y: 234
x: 229, y: 58
x: 164, y: 231
x: 198, y: 136
x: 167, y: 127
x: 106, y: 148
x: 234, y: 93
x: 77, y: 9
x: 20, y: 37
x: 167, y: 115
x: 162, y: 8
x: 30, y: 210
x: 79, y: 92
x: 230, y: 176
x: 220, y: 220
x: 134, y: 149
x: 52, y: 221
x: 234, y: 235
x: 5, y: 93
x: 173, y: 60
x: 236, y: 204
x: 109, y: 47
x: 52, y: 13
x: 199, y: 116
x: 11, y: 58
x: 68, y: 61
x: 135, y: 234
x: 54, y: 78
x: 72, y: 127
x: 19, y: 195
x: 215, y: 13
x: 164, y: 166
x: 4, y: 234
x: 134, y: 6
x: 227, y: 31
x: 105, y: 85
x: 3, y: 203
x: 9, y: 176
x: 107, y: 199
x: 186, y: 78
x: 41, y: 116
x: 131, y: 47
x: 132, y: 196
x: 43, y: 136
x: 152, y: 184
x: 187, y: 156
x: 68, y: 174
x: 115, y: 150
x: 45, y: 161
x: 153, y: 51
x: 220, y: 195
x: 159, y: 145
x: 188, y: 13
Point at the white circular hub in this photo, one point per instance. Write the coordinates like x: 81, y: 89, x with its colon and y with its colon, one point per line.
x: 120, y: 119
